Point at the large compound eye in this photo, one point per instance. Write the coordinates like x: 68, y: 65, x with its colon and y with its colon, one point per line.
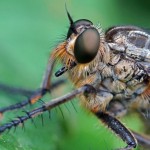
x: 87, y: 45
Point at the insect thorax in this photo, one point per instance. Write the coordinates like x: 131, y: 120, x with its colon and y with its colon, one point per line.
x: 114, y: 75
x: 119, y: 71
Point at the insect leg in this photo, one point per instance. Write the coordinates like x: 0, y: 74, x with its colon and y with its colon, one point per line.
x: 143, y: 140
x: 46, y: 82
x: 24, y: 92
x: 47, y: 106
x: 32, y: 99
x: 117, y: 127
x: 39, y: 93
x: 117, y: 109
x: 14, y: 90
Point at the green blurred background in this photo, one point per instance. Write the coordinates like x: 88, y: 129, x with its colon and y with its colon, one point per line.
x: 29, y: 29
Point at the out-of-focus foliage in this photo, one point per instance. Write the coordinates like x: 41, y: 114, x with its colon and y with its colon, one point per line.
x: 29, y: 30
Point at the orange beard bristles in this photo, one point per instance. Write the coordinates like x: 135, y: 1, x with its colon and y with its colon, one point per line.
x: 60, y: 53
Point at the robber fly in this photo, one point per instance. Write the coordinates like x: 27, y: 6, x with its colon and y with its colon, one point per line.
x: 110, y: 71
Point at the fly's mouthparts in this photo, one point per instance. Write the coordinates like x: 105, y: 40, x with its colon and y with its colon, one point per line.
x: 64, y: 69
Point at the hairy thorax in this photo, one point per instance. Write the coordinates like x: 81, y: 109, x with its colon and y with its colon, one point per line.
x: 115, y: 77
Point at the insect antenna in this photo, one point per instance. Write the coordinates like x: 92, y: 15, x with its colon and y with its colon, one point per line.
x: 69, y: 16
x: 70, y: 20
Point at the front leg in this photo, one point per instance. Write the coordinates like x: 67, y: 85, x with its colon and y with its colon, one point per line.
x: 97, y: 104
x: 117, y: 127
x: 46, y: 86
x: 117, y: 109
